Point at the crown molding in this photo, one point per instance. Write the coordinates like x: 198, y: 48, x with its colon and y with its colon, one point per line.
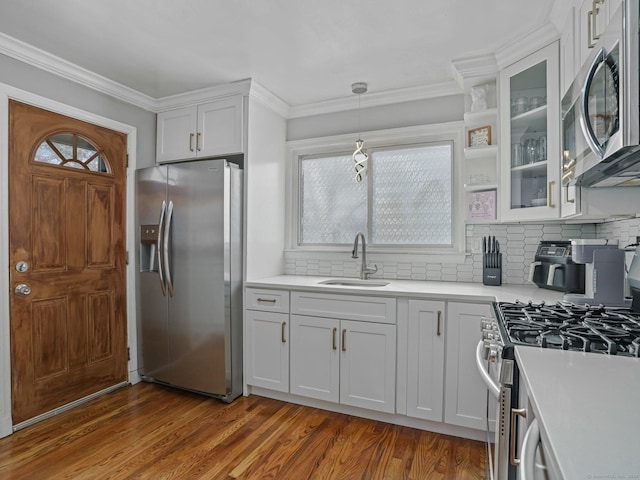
x: 474, y: 69
x: 269, y: 100
x: 38, y: 58
x: 241, y: 87
x: 526, y: 44
x: 376, y: 99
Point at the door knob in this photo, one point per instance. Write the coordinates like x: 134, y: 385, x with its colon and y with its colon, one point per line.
x: 23, y: 289
x: 22, y: 267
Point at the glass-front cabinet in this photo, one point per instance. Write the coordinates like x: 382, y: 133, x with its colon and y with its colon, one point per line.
x: 530, y: 127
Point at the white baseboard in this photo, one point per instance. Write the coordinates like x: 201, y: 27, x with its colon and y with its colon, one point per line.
x: 6, y: 426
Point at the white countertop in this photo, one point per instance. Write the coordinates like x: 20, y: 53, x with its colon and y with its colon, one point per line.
x: 414, y: 288
x: 588, y: 408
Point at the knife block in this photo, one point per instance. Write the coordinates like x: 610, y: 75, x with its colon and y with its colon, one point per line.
x: 492, y: 275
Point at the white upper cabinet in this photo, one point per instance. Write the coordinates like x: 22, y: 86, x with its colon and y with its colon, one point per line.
x: 568, y: 62
x: 207, y: 130
x: 530, y: 126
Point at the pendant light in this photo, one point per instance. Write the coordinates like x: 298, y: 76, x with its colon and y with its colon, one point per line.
x: 359, y: 156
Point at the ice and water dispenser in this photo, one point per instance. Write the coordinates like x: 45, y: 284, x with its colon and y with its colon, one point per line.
x: 149, y: 248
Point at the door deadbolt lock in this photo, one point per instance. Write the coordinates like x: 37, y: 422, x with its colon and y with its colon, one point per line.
x: 22, y: 267
x: 23, y: 289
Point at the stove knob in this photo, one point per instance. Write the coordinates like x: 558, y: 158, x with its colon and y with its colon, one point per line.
x: 493, y: 354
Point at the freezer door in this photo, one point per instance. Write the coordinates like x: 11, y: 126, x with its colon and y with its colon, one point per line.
x: 151, y: 192
x: 199, y: 305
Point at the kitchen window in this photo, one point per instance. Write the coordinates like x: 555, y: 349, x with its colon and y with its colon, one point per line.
x: 406, y: 202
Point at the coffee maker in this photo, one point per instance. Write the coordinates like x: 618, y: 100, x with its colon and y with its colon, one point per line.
x: 633, y: 280
x: 604, y: 272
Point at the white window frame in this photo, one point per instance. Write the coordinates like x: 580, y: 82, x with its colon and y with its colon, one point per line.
x: 397, y: 137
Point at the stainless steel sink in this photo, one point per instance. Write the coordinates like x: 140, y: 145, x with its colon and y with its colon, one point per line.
x: 354, y: 282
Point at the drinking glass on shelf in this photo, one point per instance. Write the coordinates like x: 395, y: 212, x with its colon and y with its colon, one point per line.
x: 522, y: 105
x: 542, y: 148
x: 516, y: 154
x: 531, y: 150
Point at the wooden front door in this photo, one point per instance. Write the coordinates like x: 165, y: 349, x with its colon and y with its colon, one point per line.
x: 67, y: 259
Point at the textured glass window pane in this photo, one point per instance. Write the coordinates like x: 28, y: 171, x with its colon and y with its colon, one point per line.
x: 45, y: 154
x: 333, y: 206
x: 64, y: 143
x: 411, y: 196
x: 71, y: 150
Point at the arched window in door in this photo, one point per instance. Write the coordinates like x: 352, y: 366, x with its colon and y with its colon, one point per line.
x: 72, y: 150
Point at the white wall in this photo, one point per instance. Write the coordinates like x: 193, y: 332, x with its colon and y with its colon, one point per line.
x: 29, y: 78
x: 408, y: 114
x: 265, y: 192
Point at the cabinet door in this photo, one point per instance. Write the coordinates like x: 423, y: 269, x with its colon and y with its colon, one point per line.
x: 465, y: 393
x: 220, y: 127
x: 567, y: 54
x: 425, y: 359
x: 591, y: 20
x: 176, y: 135
x: 267, y: 340
x: 315, y: 358
x: 530, y: 127
x: 368, y: 365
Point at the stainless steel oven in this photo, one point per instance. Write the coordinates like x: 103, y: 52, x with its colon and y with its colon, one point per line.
x: 598, y: 329
x: 497, y: 367
x: 601, y: 112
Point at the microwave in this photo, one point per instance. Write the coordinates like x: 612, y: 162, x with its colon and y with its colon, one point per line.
x: 601, y: 111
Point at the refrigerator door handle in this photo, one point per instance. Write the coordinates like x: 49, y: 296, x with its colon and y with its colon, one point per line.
x: 166, y: 246
x: 159, y: 248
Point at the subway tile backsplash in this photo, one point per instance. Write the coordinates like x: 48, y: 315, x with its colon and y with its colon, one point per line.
x: 518, y: 244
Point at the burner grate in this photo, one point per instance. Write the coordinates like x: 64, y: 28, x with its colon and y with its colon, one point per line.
x: 611, y: 331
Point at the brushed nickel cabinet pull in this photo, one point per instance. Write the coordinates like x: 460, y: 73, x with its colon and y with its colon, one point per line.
x: 284, y: 326
x: 570, y: 200
x: 267, y: 300
x: 333, y: 339
x: 550, y: 192
x: 592, y: 23
x: 590, y: 42
x: 198, y: 141
x: 438, y: 333
x: 191, y: 142
x: 344, y: 339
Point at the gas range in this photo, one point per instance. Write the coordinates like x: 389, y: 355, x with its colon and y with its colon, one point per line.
x: 566, y: 326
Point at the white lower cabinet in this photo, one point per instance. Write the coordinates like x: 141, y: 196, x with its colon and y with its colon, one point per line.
x: 346, y: 348
x: 465, y: 394
x: 315, y: 357
x: 344, y: 361
x: 442, y: 381
x: 368, y: 365
x: 425, y: 366
x: 267, y: 340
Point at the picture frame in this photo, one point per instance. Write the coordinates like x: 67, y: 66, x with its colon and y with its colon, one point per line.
x: 482, y: 205
x: 479, y: 137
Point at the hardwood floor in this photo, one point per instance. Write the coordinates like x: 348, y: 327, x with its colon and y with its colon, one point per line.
x: 151, y: 432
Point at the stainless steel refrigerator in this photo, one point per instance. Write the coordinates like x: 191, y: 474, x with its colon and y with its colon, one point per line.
x: 190, y: 276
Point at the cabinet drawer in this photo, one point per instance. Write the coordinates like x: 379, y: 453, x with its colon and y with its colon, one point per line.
x: 268, y: 300
x: 349, y: 307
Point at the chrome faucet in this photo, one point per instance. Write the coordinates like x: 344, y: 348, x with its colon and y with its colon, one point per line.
x: 365, y: 270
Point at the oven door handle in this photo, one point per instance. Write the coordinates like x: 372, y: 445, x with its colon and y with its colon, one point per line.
x: 481, y: 363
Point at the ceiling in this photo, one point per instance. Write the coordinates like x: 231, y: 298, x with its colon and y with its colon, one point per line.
x: 302, y: 51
